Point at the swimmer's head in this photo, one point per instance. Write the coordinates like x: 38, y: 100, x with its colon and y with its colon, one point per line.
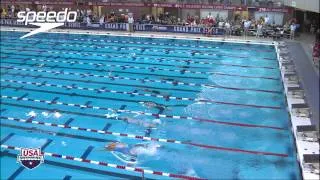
x: 111, y: 146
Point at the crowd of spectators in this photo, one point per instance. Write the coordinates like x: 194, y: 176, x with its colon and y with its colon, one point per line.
x: 236, y: 26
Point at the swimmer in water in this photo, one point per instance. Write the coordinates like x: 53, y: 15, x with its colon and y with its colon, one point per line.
x: 40, y: 65
x: 168, y: 79
x: 36, y: 130
x: 150, y: 104
x: 155, y: 92
x: 152, y: 91
x: 142, y: 123
x: 127, y: 150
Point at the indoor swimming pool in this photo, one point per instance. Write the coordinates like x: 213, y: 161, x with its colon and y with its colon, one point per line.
x: 181, y: 108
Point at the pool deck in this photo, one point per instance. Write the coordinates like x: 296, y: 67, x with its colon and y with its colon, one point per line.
x: 308, y: 76
x: 309, y: 82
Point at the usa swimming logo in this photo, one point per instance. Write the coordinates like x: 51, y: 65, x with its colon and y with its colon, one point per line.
x: 30, y: 157
x: 45, y: 20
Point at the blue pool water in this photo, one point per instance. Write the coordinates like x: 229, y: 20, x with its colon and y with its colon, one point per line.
x: 223, y: 103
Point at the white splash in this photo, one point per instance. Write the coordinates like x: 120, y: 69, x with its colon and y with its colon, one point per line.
x: 31, y: 114
x: 63, y: 143
x: 150, y: 149
x: 191, y: 172
x: 157, y: 121
x: 45, y: 114
x: 112, y: 115
x: 57, y: 114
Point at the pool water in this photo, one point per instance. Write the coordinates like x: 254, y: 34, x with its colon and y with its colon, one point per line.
x: 200, y: 109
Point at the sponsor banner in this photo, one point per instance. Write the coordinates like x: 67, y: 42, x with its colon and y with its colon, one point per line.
x: 171, y: 5
x: 65, y: 2
x: 40, y: 2
x: 124, y: 27
x: 11, y: 22
x: 283, y: 10
x: 15, y: 2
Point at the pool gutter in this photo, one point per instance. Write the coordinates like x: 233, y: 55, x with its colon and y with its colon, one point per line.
x: 303, y: 147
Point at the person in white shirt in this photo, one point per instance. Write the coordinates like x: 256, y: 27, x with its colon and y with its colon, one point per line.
x: 259, y: 29
x: 88, y: 20
x: 12, y: 11
x: 227, y: 27
x: 101, y: 20
x: 194, y: 23
x: 292, y: 30
x: 210, y: 16
x: 44, y: 8
x: 221, y: 24
x: 266, y: 20
x: 247, y: 25
x: 130, y: 22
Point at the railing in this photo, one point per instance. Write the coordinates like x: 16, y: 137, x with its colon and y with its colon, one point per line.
x: 123, y: 27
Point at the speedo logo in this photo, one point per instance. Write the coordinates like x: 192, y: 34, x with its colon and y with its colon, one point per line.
x: 45, y: 20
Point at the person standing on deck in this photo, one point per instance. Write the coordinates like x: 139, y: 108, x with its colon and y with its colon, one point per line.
x: 227, y: 27
x: 130, y: 22
x: 246, y: 25
x: 292, y: 30
x: 259, y: 29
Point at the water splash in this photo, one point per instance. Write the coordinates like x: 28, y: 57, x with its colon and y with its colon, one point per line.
x: 57, y: 114
x: 31, y: 114
x: 148, y: 149
x: 45, y: 114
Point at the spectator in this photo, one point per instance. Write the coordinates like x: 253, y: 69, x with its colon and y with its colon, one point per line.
x: 266, y: 20
x: 246, y: 25
x: 101, y: 20
x: 12, y: 11
x: 259, y: 29
x: 227, y: 27
x: 209, y: 16
x: 88, y: 20
x: 44, y: 8
x: 292, y: 30
x: 130, y: 22
x: 221, y: 24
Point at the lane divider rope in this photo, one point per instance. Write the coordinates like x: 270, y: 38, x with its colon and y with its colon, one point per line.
x: 67, y: 40
x: 182, y: 71
x: 174, y: 83
x: 160, y: 60
x: 144, y: 137
x: 139, y: 60
x: 168, y: 97
x: 100, y: 163
x: 153, y: 68
x: 158, y: 116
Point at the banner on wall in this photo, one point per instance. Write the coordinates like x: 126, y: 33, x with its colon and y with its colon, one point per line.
x: 123, y: 27
x: 282, y: 10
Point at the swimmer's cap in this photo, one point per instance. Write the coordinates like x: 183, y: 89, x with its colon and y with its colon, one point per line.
x: 111, y: 146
